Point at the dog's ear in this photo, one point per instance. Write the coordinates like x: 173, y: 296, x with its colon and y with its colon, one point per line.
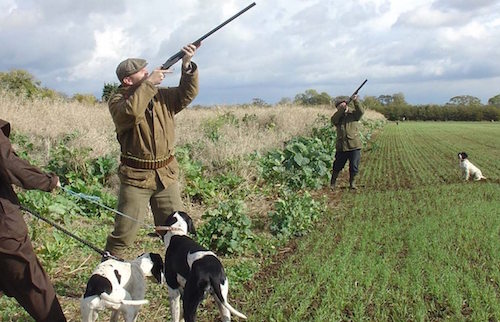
x: 170, y: 219
x: 157, y: 269
x: 191, y: 228
x: 189, y: 222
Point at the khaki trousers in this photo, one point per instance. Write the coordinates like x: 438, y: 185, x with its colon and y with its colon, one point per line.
x: 133, y: 202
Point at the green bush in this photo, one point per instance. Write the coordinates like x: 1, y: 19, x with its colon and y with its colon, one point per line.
x: 207, y: 190
x: 304, y: 163
x: 294, y: 214
x: 312, y: 97
x: 108, y: 90
x: 227, y: 229
x: 21, y: 83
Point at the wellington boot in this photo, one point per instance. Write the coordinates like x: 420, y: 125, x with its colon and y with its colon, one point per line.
x: 352, y: 186
x: 333, y: 180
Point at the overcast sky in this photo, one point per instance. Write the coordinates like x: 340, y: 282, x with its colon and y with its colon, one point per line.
x: 429, y: 50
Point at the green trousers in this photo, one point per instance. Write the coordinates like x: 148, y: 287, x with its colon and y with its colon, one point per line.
x: 133, y: 202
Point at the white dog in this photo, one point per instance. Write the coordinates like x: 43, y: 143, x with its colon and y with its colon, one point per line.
x: 468, y: 169
x: 120, y: 286
x: 191, y: 271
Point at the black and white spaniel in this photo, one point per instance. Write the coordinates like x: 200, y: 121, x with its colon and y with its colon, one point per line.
x: 191, y: 271
x: 468, y: 169
x: 120, y: 286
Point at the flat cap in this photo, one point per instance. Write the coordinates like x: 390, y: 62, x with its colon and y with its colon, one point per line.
x: 130, y: 66
x: 339, y: 101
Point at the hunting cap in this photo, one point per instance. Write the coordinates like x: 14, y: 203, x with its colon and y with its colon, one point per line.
x: 339, y: 101
x: 130, y: 66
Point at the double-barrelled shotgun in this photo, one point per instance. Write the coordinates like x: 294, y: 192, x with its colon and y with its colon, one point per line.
x: 175, y: 58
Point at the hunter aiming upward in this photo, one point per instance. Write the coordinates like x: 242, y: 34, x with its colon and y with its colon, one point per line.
x: 348, y: 143
x: 143, y: 115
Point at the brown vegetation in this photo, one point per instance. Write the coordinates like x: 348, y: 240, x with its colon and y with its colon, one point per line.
x: 46, y: 121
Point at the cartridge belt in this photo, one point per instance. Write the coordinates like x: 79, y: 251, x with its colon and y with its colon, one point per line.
x: 145, y: 164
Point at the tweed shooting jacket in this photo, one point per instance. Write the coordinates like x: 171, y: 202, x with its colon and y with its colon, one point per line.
x: 347, y: 125
x: 144, y: 122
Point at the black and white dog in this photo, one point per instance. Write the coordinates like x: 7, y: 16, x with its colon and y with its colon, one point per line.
x: 120, y: 286
x: 191, y: 271
x: 468, y: 169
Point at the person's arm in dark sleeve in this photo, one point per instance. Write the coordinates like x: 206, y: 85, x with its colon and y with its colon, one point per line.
x: 358, y: 110
x: 20, y: 172
x: 335, y: 119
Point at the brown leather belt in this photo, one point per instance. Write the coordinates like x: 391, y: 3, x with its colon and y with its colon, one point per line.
x: 146, y: 164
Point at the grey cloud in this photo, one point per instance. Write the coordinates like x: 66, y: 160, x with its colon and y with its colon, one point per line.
x: 464, y: 5
x: 57, y: 11
x: 277, y: 49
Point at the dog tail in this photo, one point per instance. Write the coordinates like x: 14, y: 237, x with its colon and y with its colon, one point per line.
x: 107, y: 298
x: 233, y: 310
x: 218, y: 293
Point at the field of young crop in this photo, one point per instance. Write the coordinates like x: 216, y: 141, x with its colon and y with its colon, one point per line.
x: 415, y: 154
x: 415, y: 243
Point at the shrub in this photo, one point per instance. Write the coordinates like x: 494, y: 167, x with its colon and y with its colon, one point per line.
x: 294, y: 214
x: 22, y: 83
x: 304, y: 163
x: 87, y: 99
x: 227, y: 228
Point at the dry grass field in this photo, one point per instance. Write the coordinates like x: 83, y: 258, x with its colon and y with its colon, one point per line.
x: 47, y: 121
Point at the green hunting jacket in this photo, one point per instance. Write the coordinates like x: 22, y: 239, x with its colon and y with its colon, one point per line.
x: 347, y: 125
x: 144, y: 123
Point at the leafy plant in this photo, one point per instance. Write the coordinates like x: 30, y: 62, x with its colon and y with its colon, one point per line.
x: 23, y: 146
x: 202, y: 189
x: 294, y: 214
x: 242, y: 272
x: 55, y: 248
x: 211, y: 127
x: 304, y: 163
x: 227, y: 229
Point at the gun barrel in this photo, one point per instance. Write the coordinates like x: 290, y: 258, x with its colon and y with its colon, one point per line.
x: 175, y: 58
x: 224, y: 23
x: 356, y: 91
x: 362, y: 84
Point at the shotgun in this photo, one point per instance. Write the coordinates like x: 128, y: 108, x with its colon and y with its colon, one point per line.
x: 175, y: 58
x: 356, y: 91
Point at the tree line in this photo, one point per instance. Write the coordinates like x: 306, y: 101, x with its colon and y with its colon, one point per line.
x: 395, y: 108
x: 458, y: 108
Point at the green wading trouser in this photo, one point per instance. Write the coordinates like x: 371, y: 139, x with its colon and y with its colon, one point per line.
x: 133, y: 202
